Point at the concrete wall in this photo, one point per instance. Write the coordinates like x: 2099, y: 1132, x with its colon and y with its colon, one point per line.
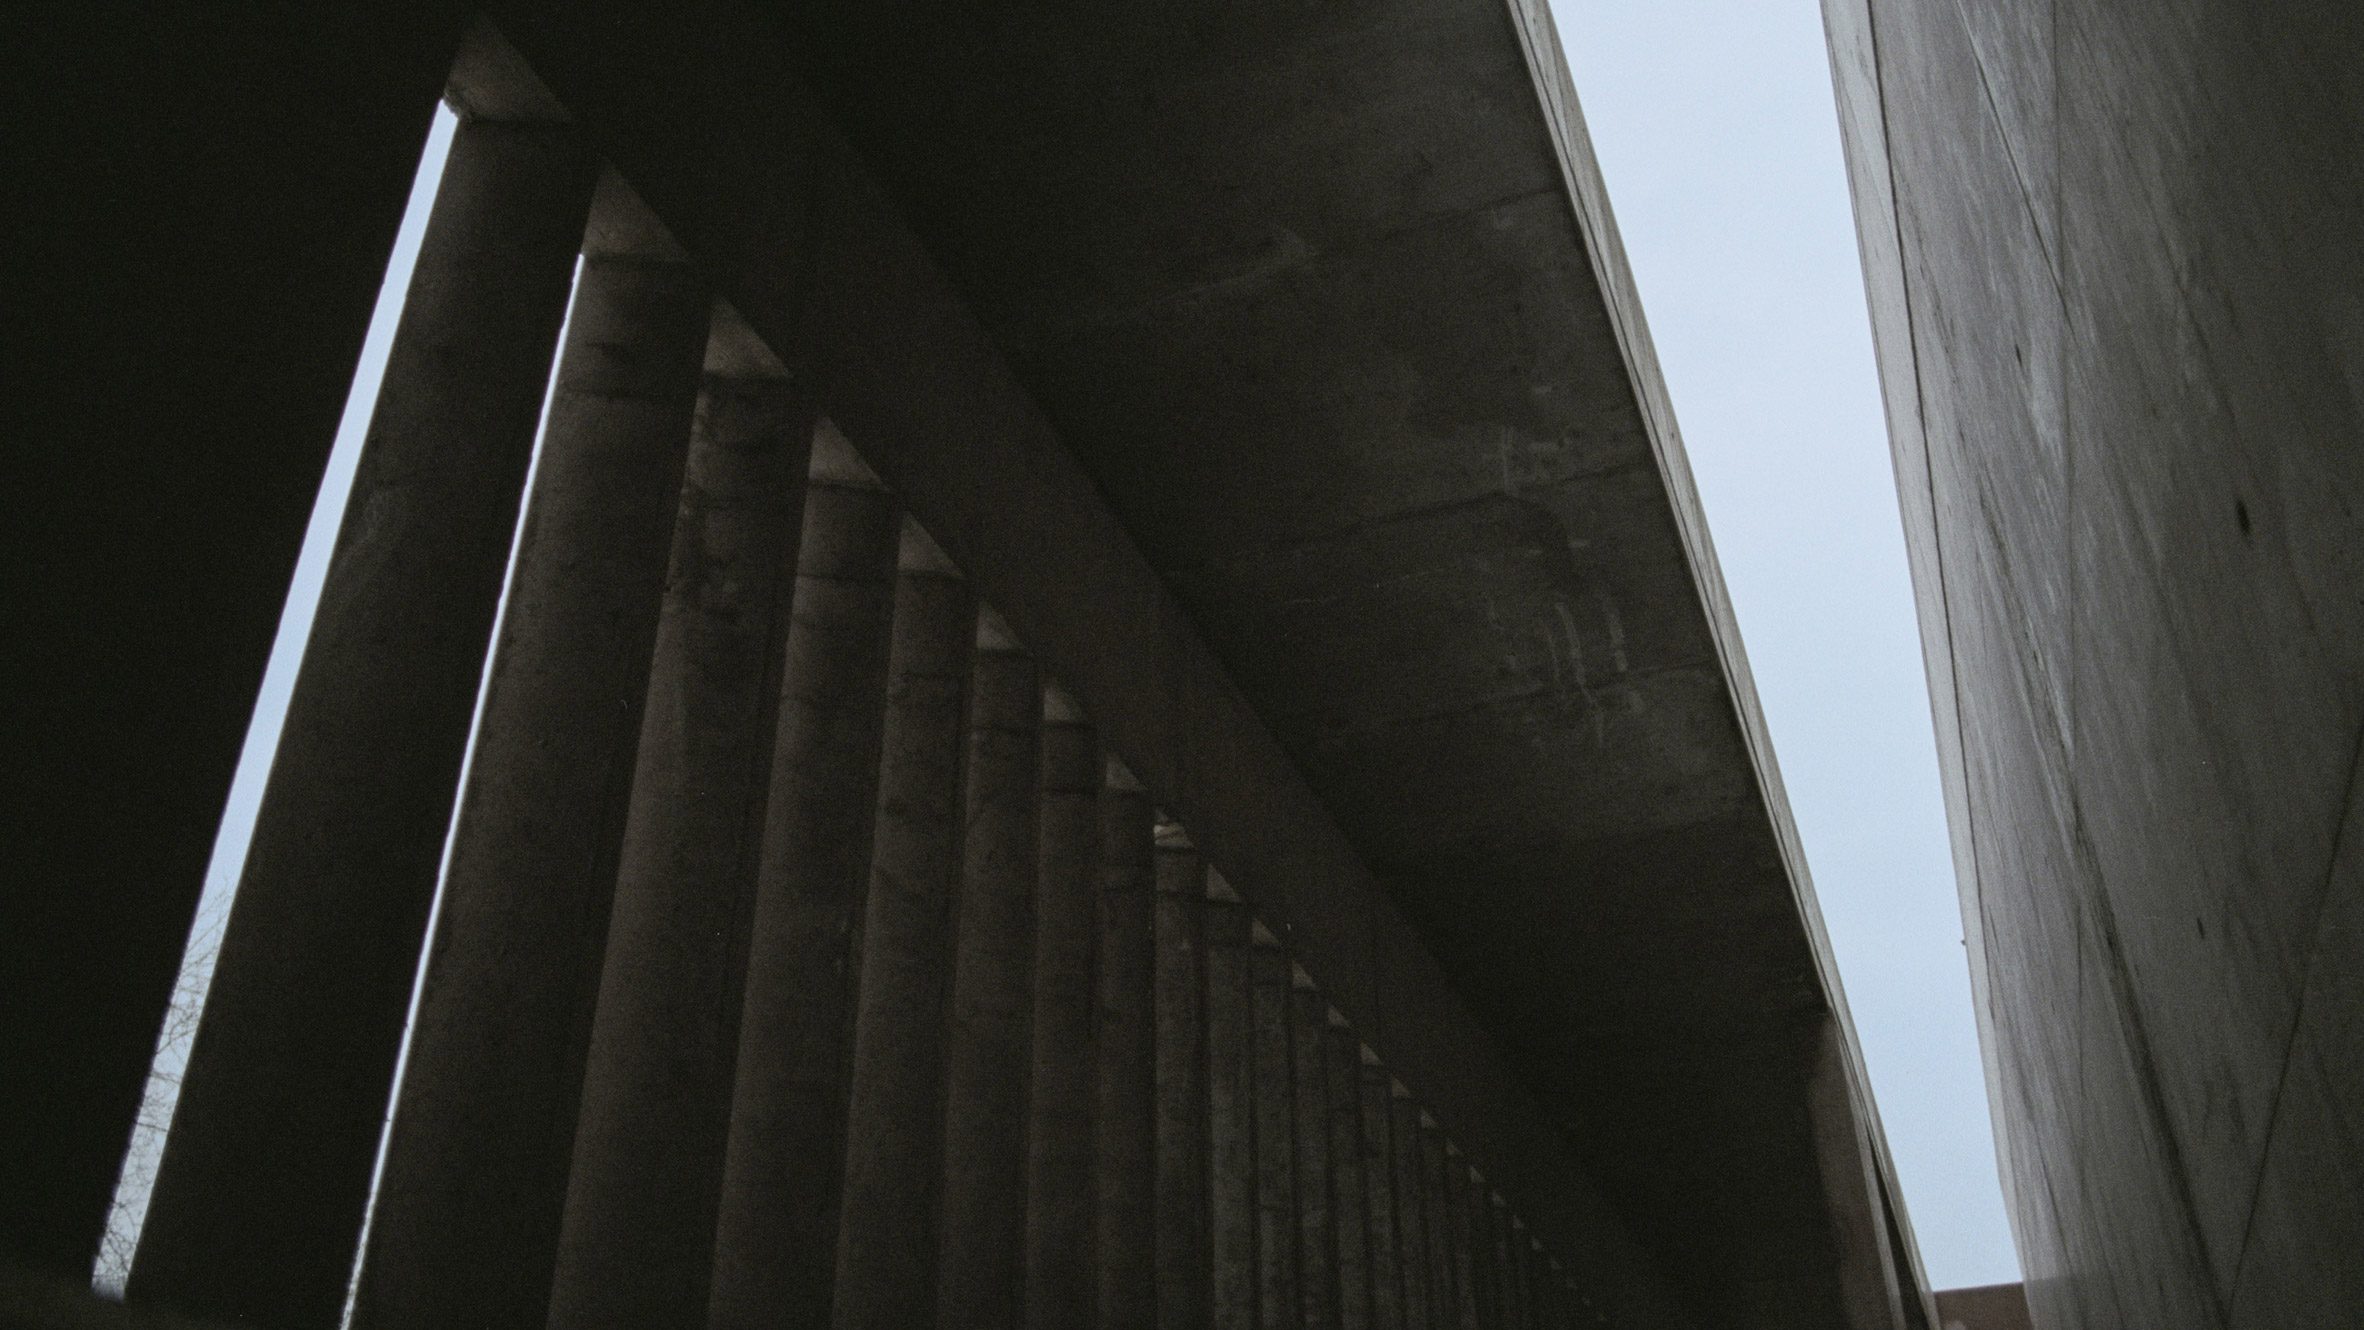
x: 2111, y: 254
x: 1992, y: 1307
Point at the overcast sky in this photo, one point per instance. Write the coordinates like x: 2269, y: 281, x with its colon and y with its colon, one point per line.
x: 1716, y: 130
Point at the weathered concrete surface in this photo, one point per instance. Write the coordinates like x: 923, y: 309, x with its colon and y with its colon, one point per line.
x: 1388, y: 1296
x: 886, y: 1249
x: 182, y: 330
x: 1279, y: 1259
x: 1436, y: 1203
x: 988, y: 1044
x: 1180, y: 1080
x: 1349, y: 1192
x: 1317, y: 1237
x: 464, y: 1227
x: 1412, y: 1211
x: 2121, y: 351
x: 775, y: 1239
x: 637, y: 1244
x: 1125, y: 1118
x: 260, y: 1191
x: 1230, y: 1080
x: 1061, y: 1283
x: 1992, y: 1307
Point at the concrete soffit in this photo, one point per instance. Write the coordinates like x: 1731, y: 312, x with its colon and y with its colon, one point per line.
x: 757, y: 185
x: 1588, y: 200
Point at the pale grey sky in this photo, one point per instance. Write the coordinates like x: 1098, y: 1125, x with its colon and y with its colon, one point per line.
x: 1716, y: 130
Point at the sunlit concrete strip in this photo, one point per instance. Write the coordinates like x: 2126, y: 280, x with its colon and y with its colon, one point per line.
x: 1060, y: 1291
x: 1349, y: 1192
x: 987, y: 1050
x: 636, y: 1247
x: 1277, y: 1271
x: 1317, y: 1219
x: 1230, y: 1251
x: 260, y: 1193
x: 886, y: 1245
x: 464, y: 1227
x: 1125, y: 1115
x: 1388, y: 1298
x: 775, y: 1242
x: 1191, y: 1010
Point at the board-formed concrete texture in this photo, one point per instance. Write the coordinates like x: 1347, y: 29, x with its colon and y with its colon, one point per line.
x: 1275, y: 373
x: 2119, y: 305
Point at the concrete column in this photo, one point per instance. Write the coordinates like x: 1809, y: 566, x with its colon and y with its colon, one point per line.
x: 988, y: 1047
x: 886, y: 1242
x: 1317, y: 1217
x: 775, y: 1241
x: 1481, y: 1257
x: 637, y: 1244
x: 1231, y: 1108
x: 1461, y: 1241
x: 1444, y: 1295
x: 1379, y: 1187
x: 1544, y: 1294
x: 259, y: 1196
x: 1125, y: 1118
x: 1494, y: 1247
x: 1060, y: 1212
x: 1411, y: 1209
x: 1519, y: 1270
x: 1349, y: 1192
x: 465, y: 1225
x: 1277, y: 1280
x: 1190, y: 1002
x: 1566, y: 1307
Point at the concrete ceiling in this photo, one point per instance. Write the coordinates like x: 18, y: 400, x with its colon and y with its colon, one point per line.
x: 1302, y: 286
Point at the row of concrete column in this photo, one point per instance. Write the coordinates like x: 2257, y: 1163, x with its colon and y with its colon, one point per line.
x: 799, y: 957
